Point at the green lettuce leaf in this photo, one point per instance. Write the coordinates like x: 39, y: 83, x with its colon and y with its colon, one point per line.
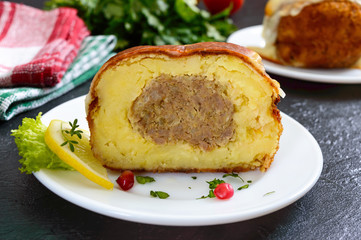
x: 29, y: 138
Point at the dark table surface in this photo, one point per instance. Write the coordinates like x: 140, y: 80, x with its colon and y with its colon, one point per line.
x: 330, y: 210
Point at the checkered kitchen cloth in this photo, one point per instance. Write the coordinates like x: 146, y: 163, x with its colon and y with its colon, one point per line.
x: 36, y: 46
x: 94, y: 52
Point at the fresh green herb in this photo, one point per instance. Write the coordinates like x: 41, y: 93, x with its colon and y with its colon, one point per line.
x: 249, y: 181
x: 151, y: 22
x: 160, y: 194
x: 213, y: 184
x: 144, y: 179
x: 70, y: 142
x: 194, y: 177
x: 235, y: 175
x: 189, y: 187
x: 210, y: 195
x: 243, y: 187
x: 72, y: 132
x: 269, y: 193
x: 29, y: 138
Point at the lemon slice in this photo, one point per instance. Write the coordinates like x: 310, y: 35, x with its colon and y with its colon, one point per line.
x: 82, y: 158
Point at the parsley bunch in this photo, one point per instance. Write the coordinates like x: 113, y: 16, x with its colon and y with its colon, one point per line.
x: 150, y: 22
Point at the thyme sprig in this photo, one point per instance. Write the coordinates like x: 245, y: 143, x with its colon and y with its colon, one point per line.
x: 73, y: 131
x: 212, y: 185
x: 235, y: 175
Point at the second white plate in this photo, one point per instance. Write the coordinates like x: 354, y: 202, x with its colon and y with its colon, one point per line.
x: 252, y: 36
x: 295, y: 170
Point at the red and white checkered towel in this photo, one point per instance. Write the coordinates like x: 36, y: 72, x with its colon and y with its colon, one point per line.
x: 37, y: 47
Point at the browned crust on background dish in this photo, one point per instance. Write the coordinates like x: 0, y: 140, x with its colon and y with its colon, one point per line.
x: 251, y: 58
x: 322, y: 35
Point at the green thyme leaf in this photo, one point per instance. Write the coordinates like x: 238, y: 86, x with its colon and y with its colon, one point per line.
x: 210, y: 195
x: 160, y: 194
x: 249, y: 181
x: 194, y: 177
x: 243, y: 187
x: 213, y: 184
x: 71, y: 146
x: 235, y: 175
x: 269, y: 193
x: 144, y: 179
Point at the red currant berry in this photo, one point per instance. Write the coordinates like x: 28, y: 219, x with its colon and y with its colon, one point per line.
x: 126, y: 180
x: 224, y: 191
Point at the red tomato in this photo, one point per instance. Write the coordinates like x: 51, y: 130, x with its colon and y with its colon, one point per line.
x: 216, y: 6
x: 224, y: 191
x: 126, y: 180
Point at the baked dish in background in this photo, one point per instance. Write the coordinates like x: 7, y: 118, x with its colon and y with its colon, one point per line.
x: 313, y: 34
x: 202, y: 107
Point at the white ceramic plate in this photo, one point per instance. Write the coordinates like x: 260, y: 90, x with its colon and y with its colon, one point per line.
x: 295, y: 170
x: 252, y: 36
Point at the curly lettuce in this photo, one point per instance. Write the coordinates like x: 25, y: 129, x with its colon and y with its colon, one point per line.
x: 29, y: 138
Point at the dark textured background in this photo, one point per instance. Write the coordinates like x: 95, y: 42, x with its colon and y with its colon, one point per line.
x: 331, y: 210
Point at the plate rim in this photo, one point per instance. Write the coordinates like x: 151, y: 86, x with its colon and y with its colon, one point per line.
x: 293, y: 72
x: 124, y: 214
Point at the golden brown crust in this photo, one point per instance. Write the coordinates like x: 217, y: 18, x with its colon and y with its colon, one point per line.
x: 263, y: 168
x: 248, y: 56
x: 322, y: 35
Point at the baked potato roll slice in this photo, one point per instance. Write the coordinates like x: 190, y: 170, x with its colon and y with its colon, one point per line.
x: 193, y: 108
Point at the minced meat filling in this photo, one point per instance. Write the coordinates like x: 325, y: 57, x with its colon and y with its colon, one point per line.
x: 188, y: 108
